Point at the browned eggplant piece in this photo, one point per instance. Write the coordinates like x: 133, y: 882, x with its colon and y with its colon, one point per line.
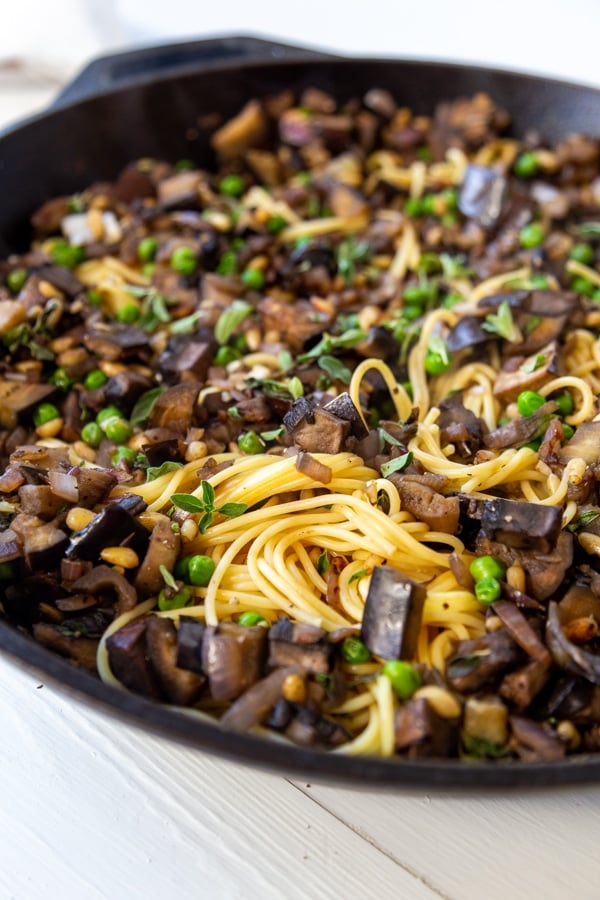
x: 232, y: 658
x: 114, y: 526
x: 10, y: 546
x: 62, y: 278
x: 545, y: 572
x: 190, y: 635
x: 468, y: 332
x: 379, y: 344
x: 420, y: 732
x: 163, y: 550
x: 80, y: 650
x: 531, y: 374
x: 565, y: 653
x: 39, y: 500
x: 18, y: 399
x: 535, y: 741
x: 310, y: 729
x: 247, y: 129
x: 129, y: 660
x: 256, y: 703
x: 44, y: 546
x: 178, y: 685
x: 186, y: 356
x: 94, y: 485
x: 309, y: 465
x: 476, y: 663
x: 392, y: 615
x: 522, y: 631
x: 299, y: 644
x: 175, y: 408
x: 105, y: 578
x: 520, y: 431
x: 124, y: 388
x: 427, y: 505
x: 343, y: 407
x: 318, y: 431
x: 528, y: 526
x: 585, y: 444
x: 459, y: 426
x: 115, y: 341
x: 482, y: 195
x: 523, y: 685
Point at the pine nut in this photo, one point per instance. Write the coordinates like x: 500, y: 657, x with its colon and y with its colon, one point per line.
x: 294, y: 689
x: 78, y: 517
x: 120, y: 556
x: 189, y: 531
x: 195, y: 450
x: 567, y: 731
x: 50, y: 429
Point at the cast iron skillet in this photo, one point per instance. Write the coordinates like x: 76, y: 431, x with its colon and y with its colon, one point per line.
x: 154, y: 103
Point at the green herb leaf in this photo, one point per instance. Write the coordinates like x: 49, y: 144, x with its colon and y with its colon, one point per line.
x: 208, y: 494
x: 583, y: 519
x: 454, y: 266
x: 476, y: 747
x: 328, y: 343
x: 188, y: 503
x: 230, y: 319
x: 588, y: 229
x: 437, y: 345
x: 168, y: 578
x: 232, y: 510
x: 144, y: 406
x: 323, y: 562
x: 295, y: 387
x: 154, y: 472
x: 186, y: 325
x: 533, y: 364
x: 205, y: 521
x: 396, y: 465
x: 502, y: 324
x: 356, y: 575
x: 334, y: 368
x: 531, y: 324
x: 285, y: 360
x: 272, y: 435
x: 388, y: 438
x: 349, y: 252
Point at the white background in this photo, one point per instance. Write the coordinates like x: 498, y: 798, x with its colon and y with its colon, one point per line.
x: 90, y: 808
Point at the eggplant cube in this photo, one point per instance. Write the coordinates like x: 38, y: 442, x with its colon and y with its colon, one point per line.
x: 393, y: 613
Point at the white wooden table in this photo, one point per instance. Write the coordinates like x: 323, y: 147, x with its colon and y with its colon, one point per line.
x: 91, y: 808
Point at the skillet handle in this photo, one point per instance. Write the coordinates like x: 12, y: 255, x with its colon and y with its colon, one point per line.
x: 136, y: 66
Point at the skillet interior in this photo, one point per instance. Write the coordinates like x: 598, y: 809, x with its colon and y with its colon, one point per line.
x: 65, y: 149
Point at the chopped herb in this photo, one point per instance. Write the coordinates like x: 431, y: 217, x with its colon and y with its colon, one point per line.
x: 531, y: 324
x: 588, y: 229
x: 583, y: 519
x: 334, y: 368
x: 206, y: 506
x: 144, y: 406
x: 454, y: 266
x: 154, y: 306
x: 329, y: 343
x: 285, y: 360
x: 272, y: 435
x: 186, y: 325
x: 396, y: 465
x: 476, y: 748
x: 154, y: 472
x: 295, y: 387
x: 387, y: 438
x: 356, y: 575
x: 532, y: 364
x: 230, y: 319
x: 323, y: 563
x: 502, y: 324
x: 168, y: 578
x: 437, y: 345
x: 463, y: 665
x: 349, y: 252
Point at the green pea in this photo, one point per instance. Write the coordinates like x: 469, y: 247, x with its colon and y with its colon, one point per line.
x: 16, y: 279
x: 200, y: 570
x: 487, y: 567
x: 417, y: 293
x: 404, y: 677
x: 449, y: 219
x: 123, y: 455
x: 568, y: 431
x: 450, y: 196
x: 95, y: 379
x: 355, y: 651
x: 488, y: 590
x: 182, y: 569
x: 92, y: 434
x: 61, y: 380
x: 148, y: 269
x: 185, y: 165
x: 253, y: 278
x: 225, y: 355
x: 232, y: 185
x: 250, y: 442
x: 413, y: 208
x: 539, y: 280
x: 128, y: 313
x: 67, y: 255
x: 435, y: 364
x: 117, y: 430
x: 167, y: 600
x: 532, y: 235
x: 45, y: 412
x: 146, y: 249
x: 582, y: 253
x: 526, y: 165
x: 428, y: 204
x: 94, y: 297
x: 276, y: 224
x: 412, y: 312
x: 529, y: 401
x: 108, y: 412
x: 250, y: 618
x: 582, y: 286
x: 184, y: 261
x: 227, y: 264
x: 565, y: 403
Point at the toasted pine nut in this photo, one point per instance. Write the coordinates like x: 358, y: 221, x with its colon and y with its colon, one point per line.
x: 493, y: 623
x: 124, y: 557
x: 50, y: 429
x: 442, y: 701
x: 95, y: 223
x: 515, y: 576
x: 294, y: 689
x: 48, y: 290
x: 567, y: 731
x: 78, y: 517
x: 81, y: 450
x: 195, y: 450
x: 111, y: 368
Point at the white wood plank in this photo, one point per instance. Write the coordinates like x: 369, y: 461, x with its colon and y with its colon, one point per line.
x: 93, y: 808
x: 469, y: 845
